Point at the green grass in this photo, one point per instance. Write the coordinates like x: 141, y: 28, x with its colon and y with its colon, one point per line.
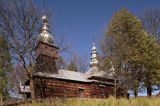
x: 141, y: 101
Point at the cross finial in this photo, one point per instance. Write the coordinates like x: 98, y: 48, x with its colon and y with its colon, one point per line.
x: 93, y: 40
x: 44, y: 7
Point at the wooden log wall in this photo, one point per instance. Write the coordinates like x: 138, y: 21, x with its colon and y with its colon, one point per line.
x: 50, y: 87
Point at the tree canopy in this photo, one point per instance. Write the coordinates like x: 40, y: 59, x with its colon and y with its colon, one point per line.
x: 134, y: 52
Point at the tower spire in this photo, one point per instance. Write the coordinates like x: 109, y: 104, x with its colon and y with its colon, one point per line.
x: 112, y: 70
x: 94, y: 61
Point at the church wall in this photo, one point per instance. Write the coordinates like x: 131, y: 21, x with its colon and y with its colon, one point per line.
x: 50, y: 87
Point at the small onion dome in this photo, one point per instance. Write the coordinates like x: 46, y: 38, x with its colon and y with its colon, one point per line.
x: 94, y: 60
x: 44, y: 18
x: 45, y: 36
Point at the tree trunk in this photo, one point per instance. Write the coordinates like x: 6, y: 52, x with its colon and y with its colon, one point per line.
x: 115, y: 88
x: 135, y: 93
x: 32, y: 88
x: 149, y: 90
x: 1, y: 98
x: 135, y: 85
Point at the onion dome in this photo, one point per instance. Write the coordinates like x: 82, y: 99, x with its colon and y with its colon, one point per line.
x: 45, y: 36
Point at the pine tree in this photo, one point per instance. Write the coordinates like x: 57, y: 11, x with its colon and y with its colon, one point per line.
x: 132, y: 51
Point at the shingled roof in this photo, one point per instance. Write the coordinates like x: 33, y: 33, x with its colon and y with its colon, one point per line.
x: 75, y: 76
x: 65, y: 74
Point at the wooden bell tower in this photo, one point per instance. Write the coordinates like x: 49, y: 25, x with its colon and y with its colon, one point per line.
x: 46, y: 51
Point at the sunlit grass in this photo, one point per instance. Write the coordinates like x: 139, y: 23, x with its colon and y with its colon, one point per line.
x: 141, y: 101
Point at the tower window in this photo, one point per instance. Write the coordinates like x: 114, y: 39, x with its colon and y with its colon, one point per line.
x: 46, y: 47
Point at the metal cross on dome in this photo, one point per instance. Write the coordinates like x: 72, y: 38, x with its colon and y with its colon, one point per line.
x: 44, y: 7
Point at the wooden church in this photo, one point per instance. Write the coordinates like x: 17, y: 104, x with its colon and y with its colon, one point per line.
x: 47, y: 81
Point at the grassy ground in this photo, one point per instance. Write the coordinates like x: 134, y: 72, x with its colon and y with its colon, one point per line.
x: 143, y: 101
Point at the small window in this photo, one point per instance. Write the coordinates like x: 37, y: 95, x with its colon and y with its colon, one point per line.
x: 46, y: 47
x: 81, y: 92
x: 102, y: 90
x: 65, y: 93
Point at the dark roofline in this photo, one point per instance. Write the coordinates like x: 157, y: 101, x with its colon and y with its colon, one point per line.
x: 102, y: 77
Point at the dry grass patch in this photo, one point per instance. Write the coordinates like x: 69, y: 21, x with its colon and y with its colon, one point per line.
x: 141, y: 101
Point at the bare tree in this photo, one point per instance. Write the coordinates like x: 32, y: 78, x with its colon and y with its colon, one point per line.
x: 150, y: 19
x: 20, y: 24
x: 81, y: 63
x: 63, y: 43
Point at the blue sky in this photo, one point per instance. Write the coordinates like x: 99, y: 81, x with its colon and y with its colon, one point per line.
x: 82, y: 20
